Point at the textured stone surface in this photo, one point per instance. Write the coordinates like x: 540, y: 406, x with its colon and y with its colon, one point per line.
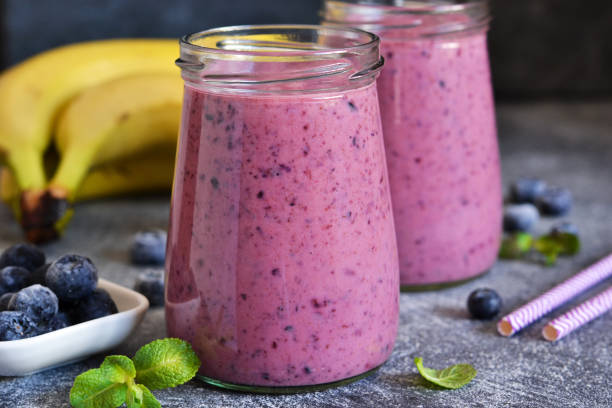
x: 567, y: 144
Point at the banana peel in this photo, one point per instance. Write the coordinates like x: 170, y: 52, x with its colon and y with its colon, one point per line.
x: 146, y: 173
x: 33, y: 92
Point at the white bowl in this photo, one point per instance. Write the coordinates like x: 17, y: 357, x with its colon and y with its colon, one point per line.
x: 65, y: 346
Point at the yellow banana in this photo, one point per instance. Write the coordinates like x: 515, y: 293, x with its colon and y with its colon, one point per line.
x: 115, y: 119
x: 149, y: 172
x: 31, y: 94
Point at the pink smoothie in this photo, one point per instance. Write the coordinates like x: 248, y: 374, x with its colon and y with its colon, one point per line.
x: 282, y: 260
x: 440, y: 136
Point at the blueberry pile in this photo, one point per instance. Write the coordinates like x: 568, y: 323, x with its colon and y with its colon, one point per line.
x: 38, y: 297
x: 530, y: 197
x: 148, y: 248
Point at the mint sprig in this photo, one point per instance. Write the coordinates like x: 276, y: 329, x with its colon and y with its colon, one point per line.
x: 550, y: 246
x: 453, y: 377
x: 160, y: 364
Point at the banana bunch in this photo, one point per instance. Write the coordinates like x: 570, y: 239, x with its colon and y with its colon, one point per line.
x: 112, y: 111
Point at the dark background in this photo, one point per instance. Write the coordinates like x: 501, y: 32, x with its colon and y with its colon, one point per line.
x: 539, y: 48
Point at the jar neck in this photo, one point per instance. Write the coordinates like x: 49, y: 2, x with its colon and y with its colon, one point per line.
x: 280, y: 59
x: 409, y: 19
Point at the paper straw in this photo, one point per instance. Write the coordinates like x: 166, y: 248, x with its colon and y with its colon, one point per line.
x: 532, y: 311
x: 584, y: 313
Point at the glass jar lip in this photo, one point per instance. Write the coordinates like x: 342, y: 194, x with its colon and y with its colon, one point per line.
x: 370, y: 40
x: 373, y: 15
x: 280, y: 58
x: 414, y: 7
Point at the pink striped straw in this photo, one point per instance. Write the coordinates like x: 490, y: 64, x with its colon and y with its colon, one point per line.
x: 587, y: 311
x: 538, y: 307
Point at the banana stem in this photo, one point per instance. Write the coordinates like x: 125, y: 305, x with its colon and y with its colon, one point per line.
x: 28, y: 168
x: 71, y: 172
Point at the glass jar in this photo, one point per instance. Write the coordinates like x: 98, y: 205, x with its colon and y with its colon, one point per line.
x: 282, y: 260
x: 440, y: 134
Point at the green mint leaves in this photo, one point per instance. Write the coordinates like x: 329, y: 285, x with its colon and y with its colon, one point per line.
x: 549, y: 246
x: 553, y: 245
x: 455, y: 376
x: 160, y: 364
x: 165, y: 363
x: 515, y: 245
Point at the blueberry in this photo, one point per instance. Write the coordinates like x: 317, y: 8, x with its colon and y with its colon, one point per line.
x: 555, y: 201
x: 520, y: 217
x: 72, y: 277
x: 60, y: 321
x: 15, y: 325
x: 151, y: 284
x: 13, y: 278
x: 24, y: 255
x: 94, y: 306
x: 526, y: 190
x: 148, y: 248
x: 38, y: 275
x: 484, y: 303
x: 564, y: 227
x: 4, y: 301
x: 38, y: 302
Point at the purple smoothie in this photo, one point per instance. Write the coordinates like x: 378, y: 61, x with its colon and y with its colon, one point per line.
x: 440, y: 138
x: 282, y: 260
x: 440, y: 134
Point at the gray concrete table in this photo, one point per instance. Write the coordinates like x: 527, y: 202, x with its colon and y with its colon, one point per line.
x: 567, y: 144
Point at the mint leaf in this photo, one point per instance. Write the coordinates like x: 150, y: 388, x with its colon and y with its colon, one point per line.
x: 133, y: 398
x: 455, y: 376
x: 165, y: 363
x: 555, y: 244
x: 103, y: 387
x: 142, y: 398
x: 515, y: 245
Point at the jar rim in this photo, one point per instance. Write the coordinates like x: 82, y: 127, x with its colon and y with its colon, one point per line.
x: 280, y: 58
x: 417, y: 7
x: 374, y: 15
x: 187, y: 41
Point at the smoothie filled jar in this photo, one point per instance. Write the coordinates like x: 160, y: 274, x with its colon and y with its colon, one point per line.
x: 440, y: 135
x: 282, y: 268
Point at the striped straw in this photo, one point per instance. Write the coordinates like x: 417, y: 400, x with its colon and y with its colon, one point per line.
x: 532, y: 311
x: 587, y: 311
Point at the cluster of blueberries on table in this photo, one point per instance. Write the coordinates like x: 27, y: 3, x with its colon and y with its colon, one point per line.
x: 37, y: 297
x: 528, y: 198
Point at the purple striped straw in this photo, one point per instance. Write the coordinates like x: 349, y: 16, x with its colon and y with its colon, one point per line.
x: 587, y: 311
x: 538, y: 307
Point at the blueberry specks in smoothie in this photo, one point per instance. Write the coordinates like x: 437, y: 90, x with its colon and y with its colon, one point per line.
x: 274, y: 171
x: 318, y: 304
x: 307, y: 370
x: 275, y: 272
x: 442, y: 84
x: 214, y: 182
x: 260, y: 194
x: 243, y: 296
x: 352, y: 106
x: 288, y: 328
x: 209, y: 117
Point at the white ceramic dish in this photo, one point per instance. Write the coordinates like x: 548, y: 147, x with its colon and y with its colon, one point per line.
x: 29, y: 356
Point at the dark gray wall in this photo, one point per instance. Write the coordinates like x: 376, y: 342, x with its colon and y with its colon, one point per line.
x: 538, y: 47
